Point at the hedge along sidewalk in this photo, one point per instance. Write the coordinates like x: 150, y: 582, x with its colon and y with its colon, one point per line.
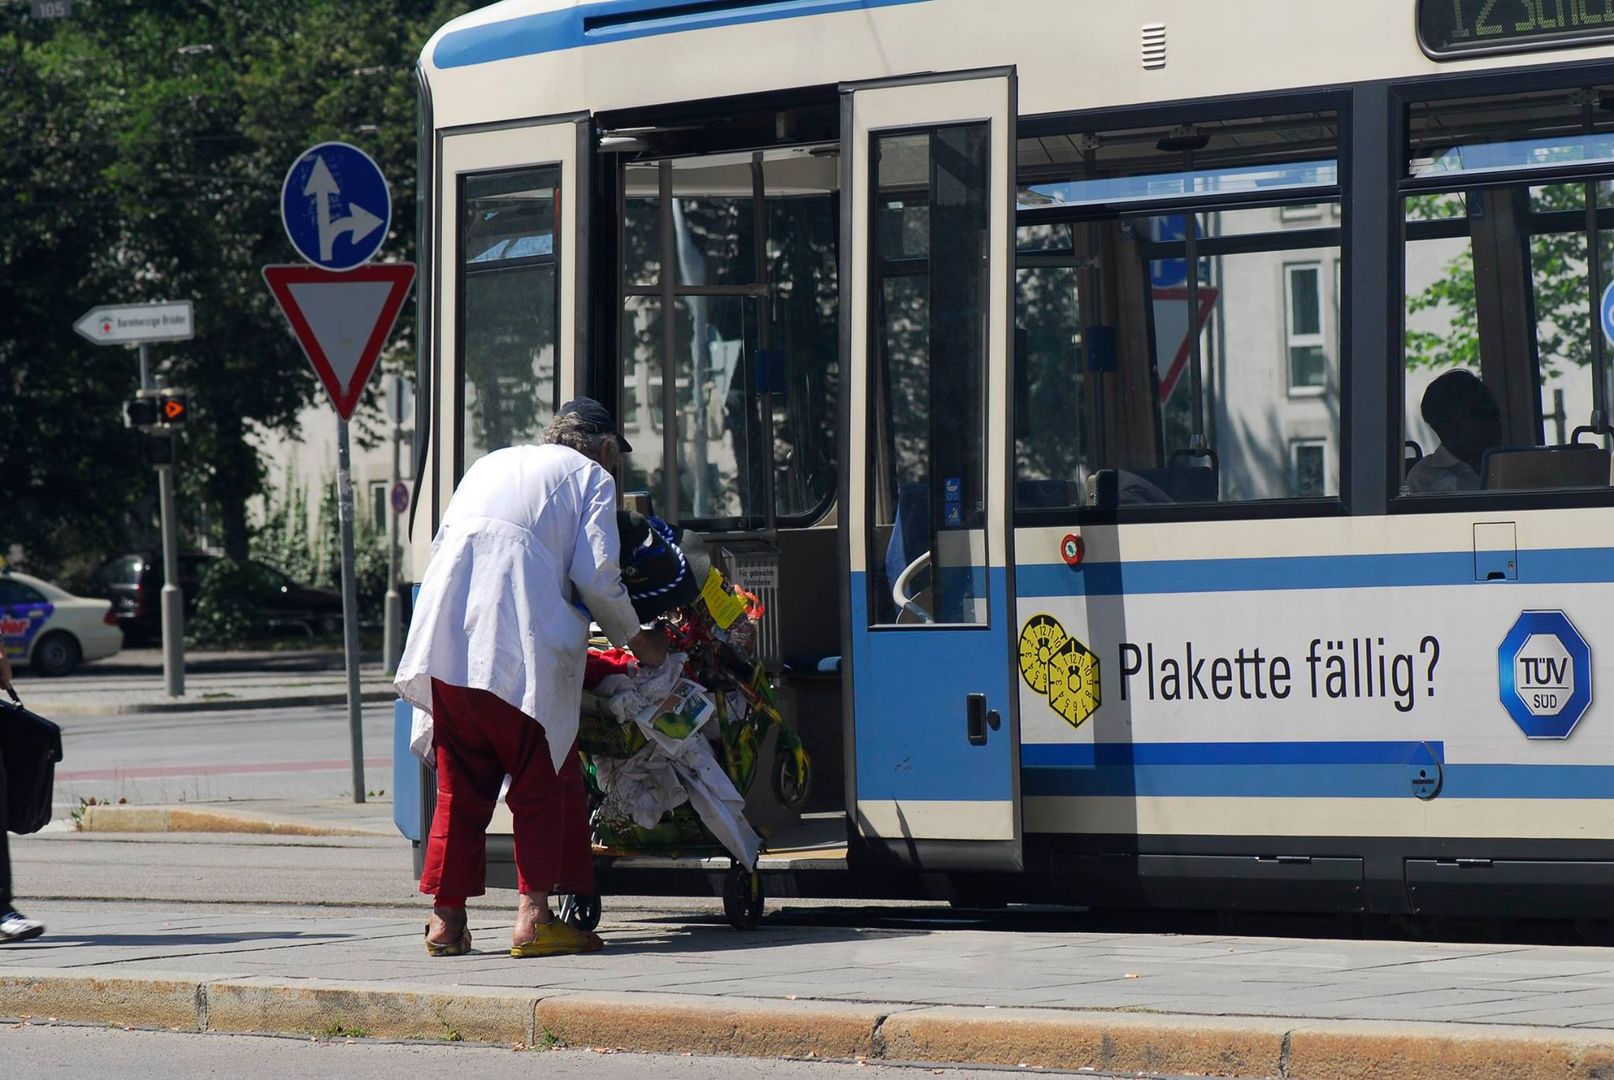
x: 698, y: 1024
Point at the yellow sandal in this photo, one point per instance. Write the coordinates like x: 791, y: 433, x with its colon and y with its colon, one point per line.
x: 558, y: 939
x: 448, y: 948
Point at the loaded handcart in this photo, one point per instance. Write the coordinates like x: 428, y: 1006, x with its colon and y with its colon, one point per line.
x: 691, y: 760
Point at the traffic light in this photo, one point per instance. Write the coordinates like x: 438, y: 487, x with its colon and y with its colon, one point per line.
x: 140, y: 412
x: 157, y: 409
x: 159, y: 449
x: 173, y: 407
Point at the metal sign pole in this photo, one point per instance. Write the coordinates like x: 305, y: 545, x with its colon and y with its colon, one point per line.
x: 173, y: 599
x: 392, y: 644
x: 350, y: 608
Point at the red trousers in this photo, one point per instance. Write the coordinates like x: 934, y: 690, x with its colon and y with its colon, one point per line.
x: 479, y: 738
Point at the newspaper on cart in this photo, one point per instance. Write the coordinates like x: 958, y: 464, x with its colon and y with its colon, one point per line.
x: 676, y: 764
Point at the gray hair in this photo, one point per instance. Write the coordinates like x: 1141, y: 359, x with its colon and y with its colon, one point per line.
x: 573, y: 431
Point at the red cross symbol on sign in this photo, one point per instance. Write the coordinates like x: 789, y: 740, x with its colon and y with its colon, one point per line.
x: 106, y: 328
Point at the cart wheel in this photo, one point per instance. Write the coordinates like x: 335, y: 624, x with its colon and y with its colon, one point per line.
x: 581, y: 912
x: 742, y: 898
x: 792, y: 777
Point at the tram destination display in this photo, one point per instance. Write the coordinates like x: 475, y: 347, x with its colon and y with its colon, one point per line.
x: 1452, y: 28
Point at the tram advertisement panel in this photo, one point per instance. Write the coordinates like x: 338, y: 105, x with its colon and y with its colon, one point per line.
x: 1289, y: 684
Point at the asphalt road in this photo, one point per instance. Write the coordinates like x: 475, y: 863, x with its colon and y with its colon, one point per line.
x: 161, y: 758
x: 44, y: 1051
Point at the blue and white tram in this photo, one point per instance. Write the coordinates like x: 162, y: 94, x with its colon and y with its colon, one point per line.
x: 1072, y: 385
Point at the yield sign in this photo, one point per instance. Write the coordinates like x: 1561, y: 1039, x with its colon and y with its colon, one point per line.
x: 342, y: 320
x: 1172, y: 333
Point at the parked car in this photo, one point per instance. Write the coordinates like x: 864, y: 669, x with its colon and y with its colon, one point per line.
x: 134, y: 584
x: 283, y: 603
x: 51, y: 630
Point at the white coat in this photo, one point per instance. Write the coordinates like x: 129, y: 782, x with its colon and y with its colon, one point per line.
x: 495, y: 610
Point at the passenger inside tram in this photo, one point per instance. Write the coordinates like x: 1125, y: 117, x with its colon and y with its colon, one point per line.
x: 1463, y: 413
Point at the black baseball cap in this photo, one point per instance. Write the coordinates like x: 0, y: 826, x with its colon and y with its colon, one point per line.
x: 597, y: 417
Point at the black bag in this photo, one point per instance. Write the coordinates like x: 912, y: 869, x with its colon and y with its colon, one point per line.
x: 30, y: 747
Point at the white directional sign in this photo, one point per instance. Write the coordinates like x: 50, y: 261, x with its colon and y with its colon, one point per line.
x: 131, y: 324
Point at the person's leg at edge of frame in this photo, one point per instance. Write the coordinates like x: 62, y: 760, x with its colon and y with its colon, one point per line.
x: 468, y: 779
x: 14, y: 926
x: 552, y: 850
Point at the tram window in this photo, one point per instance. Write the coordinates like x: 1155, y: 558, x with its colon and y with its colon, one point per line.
x: 1175, y: 357
x: 510, y: 295
x: 641, y: 232
x: 1504, y: 358
x: 927, y: 432
x: 735, y: 332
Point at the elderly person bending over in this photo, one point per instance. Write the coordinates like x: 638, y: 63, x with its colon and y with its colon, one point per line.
x: 526, y: 554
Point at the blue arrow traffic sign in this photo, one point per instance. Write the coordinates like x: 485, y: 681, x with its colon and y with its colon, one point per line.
x: 336, y: 206
x: 1544, y: 670
x: 1607, y: 309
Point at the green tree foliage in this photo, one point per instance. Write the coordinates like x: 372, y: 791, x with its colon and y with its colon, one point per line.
x: 146, y: 141
x: 310, y: 551
x: 1562, y: 300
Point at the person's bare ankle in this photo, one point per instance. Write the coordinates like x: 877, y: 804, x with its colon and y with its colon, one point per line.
x: 447, y: 925
x: 530, y: 915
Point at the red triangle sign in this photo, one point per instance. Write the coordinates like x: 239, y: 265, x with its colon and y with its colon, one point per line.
x: 342, y: 320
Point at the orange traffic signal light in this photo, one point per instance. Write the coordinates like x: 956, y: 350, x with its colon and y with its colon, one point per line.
x: 173, y: 407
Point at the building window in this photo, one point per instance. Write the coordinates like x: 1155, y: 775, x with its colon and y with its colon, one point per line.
x: 378, y: 504
x: 1303, y: 307
x: 1302, y: 212
x: 1309, y: 459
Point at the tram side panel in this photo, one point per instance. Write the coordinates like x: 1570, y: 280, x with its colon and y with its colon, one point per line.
x: 1361, y: 716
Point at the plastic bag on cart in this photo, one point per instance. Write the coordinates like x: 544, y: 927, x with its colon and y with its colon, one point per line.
x: 644, y: 787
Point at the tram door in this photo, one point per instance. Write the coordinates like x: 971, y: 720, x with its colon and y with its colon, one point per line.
x: 504, y: 332
x: 926, y: 297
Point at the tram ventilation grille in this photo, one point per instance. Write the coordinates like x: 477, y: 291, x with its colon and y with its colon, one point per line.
x: 758, y: 572
x: 1154, y: 46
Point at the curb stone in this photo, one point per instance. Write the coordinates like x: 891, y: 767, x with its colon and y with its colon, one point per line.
x: 162, y: 1001
x: 705, y: 1024
x: 69, y: 709
x: 173, y: 819
x: 689, y: 1023
x: 319, y: 1006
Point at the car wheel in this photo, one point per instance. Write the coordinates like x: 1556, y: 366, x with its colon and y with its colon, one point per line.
x: 330, y: 624
x: 56, y: 654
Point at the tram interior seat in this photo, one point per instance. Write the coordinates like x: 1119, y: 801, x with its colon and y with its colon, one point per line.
x: 1514, y: 468
x: 1047, y: 494
x: 1142, y: 487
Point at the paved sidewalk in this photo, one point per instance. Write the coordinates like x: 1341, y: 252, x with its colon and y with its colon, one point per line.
x: 132, y: 682
x: 940, y: 988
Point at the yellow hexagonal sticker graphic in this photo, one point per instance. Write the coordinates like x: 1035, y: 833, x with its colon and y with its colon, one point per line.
x: 1060, y: 667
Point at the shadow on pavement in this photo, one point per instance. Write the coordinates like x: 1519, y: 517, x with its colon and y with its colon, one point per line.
x: 124, y: 941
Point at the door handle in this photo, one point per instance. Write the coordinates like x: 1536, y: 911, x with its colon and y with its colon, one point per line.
x: 980, y: 718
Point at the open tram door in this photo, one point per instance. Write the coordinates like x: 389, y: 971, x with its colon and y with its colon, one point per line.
x: 502, y: 327
x: 933, y: 773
